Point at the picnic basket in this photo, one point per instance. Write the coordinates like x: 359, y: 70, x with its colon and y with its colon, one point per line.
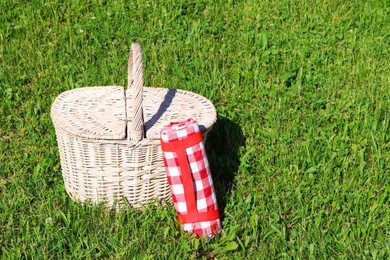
x: 109, y: 137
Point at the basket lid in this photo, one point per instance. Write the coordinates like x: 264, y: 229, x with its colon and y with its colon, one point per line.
x: 91, y: 112
x: 163, y: 106
x: 102, y: 113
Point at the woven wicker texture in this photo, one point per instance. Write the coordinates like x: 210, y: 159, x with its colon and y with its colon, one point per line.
x: 134, y: 90
x: 91, y: 112
x: 108, y: 137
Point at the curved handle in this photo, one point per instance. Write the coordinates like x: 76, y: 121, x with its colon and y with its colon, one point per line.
x: 135, y: 83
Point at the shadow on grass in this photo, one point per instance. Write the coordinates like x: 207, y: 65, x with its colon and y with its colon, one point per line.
x: 223, y: 145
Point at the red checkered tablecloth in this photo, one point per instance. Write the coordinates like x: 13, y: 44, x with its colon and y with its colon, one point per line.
x: 190, y: 179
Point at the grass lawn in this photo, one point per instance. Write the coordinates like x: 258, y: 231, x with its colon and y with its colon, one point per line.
x: 300, y: 153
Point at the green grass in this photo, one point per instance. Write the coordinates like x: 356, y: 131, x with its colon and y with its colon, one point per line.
x: 300, y: 154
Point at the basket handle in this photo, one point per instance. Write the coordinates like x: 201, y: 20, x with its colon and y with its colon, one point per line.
x: 135, y: 83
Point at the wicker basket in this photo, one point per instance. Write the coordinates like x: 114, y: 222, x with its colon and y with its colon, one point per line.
x: 108, y: 137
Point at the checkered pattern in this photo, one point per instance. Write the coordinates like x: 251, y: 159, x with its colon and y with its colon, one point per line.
x: 190, y: 178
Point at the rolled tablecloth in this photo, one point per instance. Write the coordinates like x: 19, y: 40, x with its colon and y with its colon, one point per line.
x: 190, y: 179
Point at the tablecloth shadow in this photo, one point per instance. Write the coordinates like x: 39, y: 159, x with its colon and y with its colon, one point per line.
x: 222, y: 146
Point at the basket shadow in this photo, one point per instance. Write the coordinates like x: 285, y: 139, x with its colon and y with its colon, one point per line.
x: 162, y: 109
x: 222, y: 146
